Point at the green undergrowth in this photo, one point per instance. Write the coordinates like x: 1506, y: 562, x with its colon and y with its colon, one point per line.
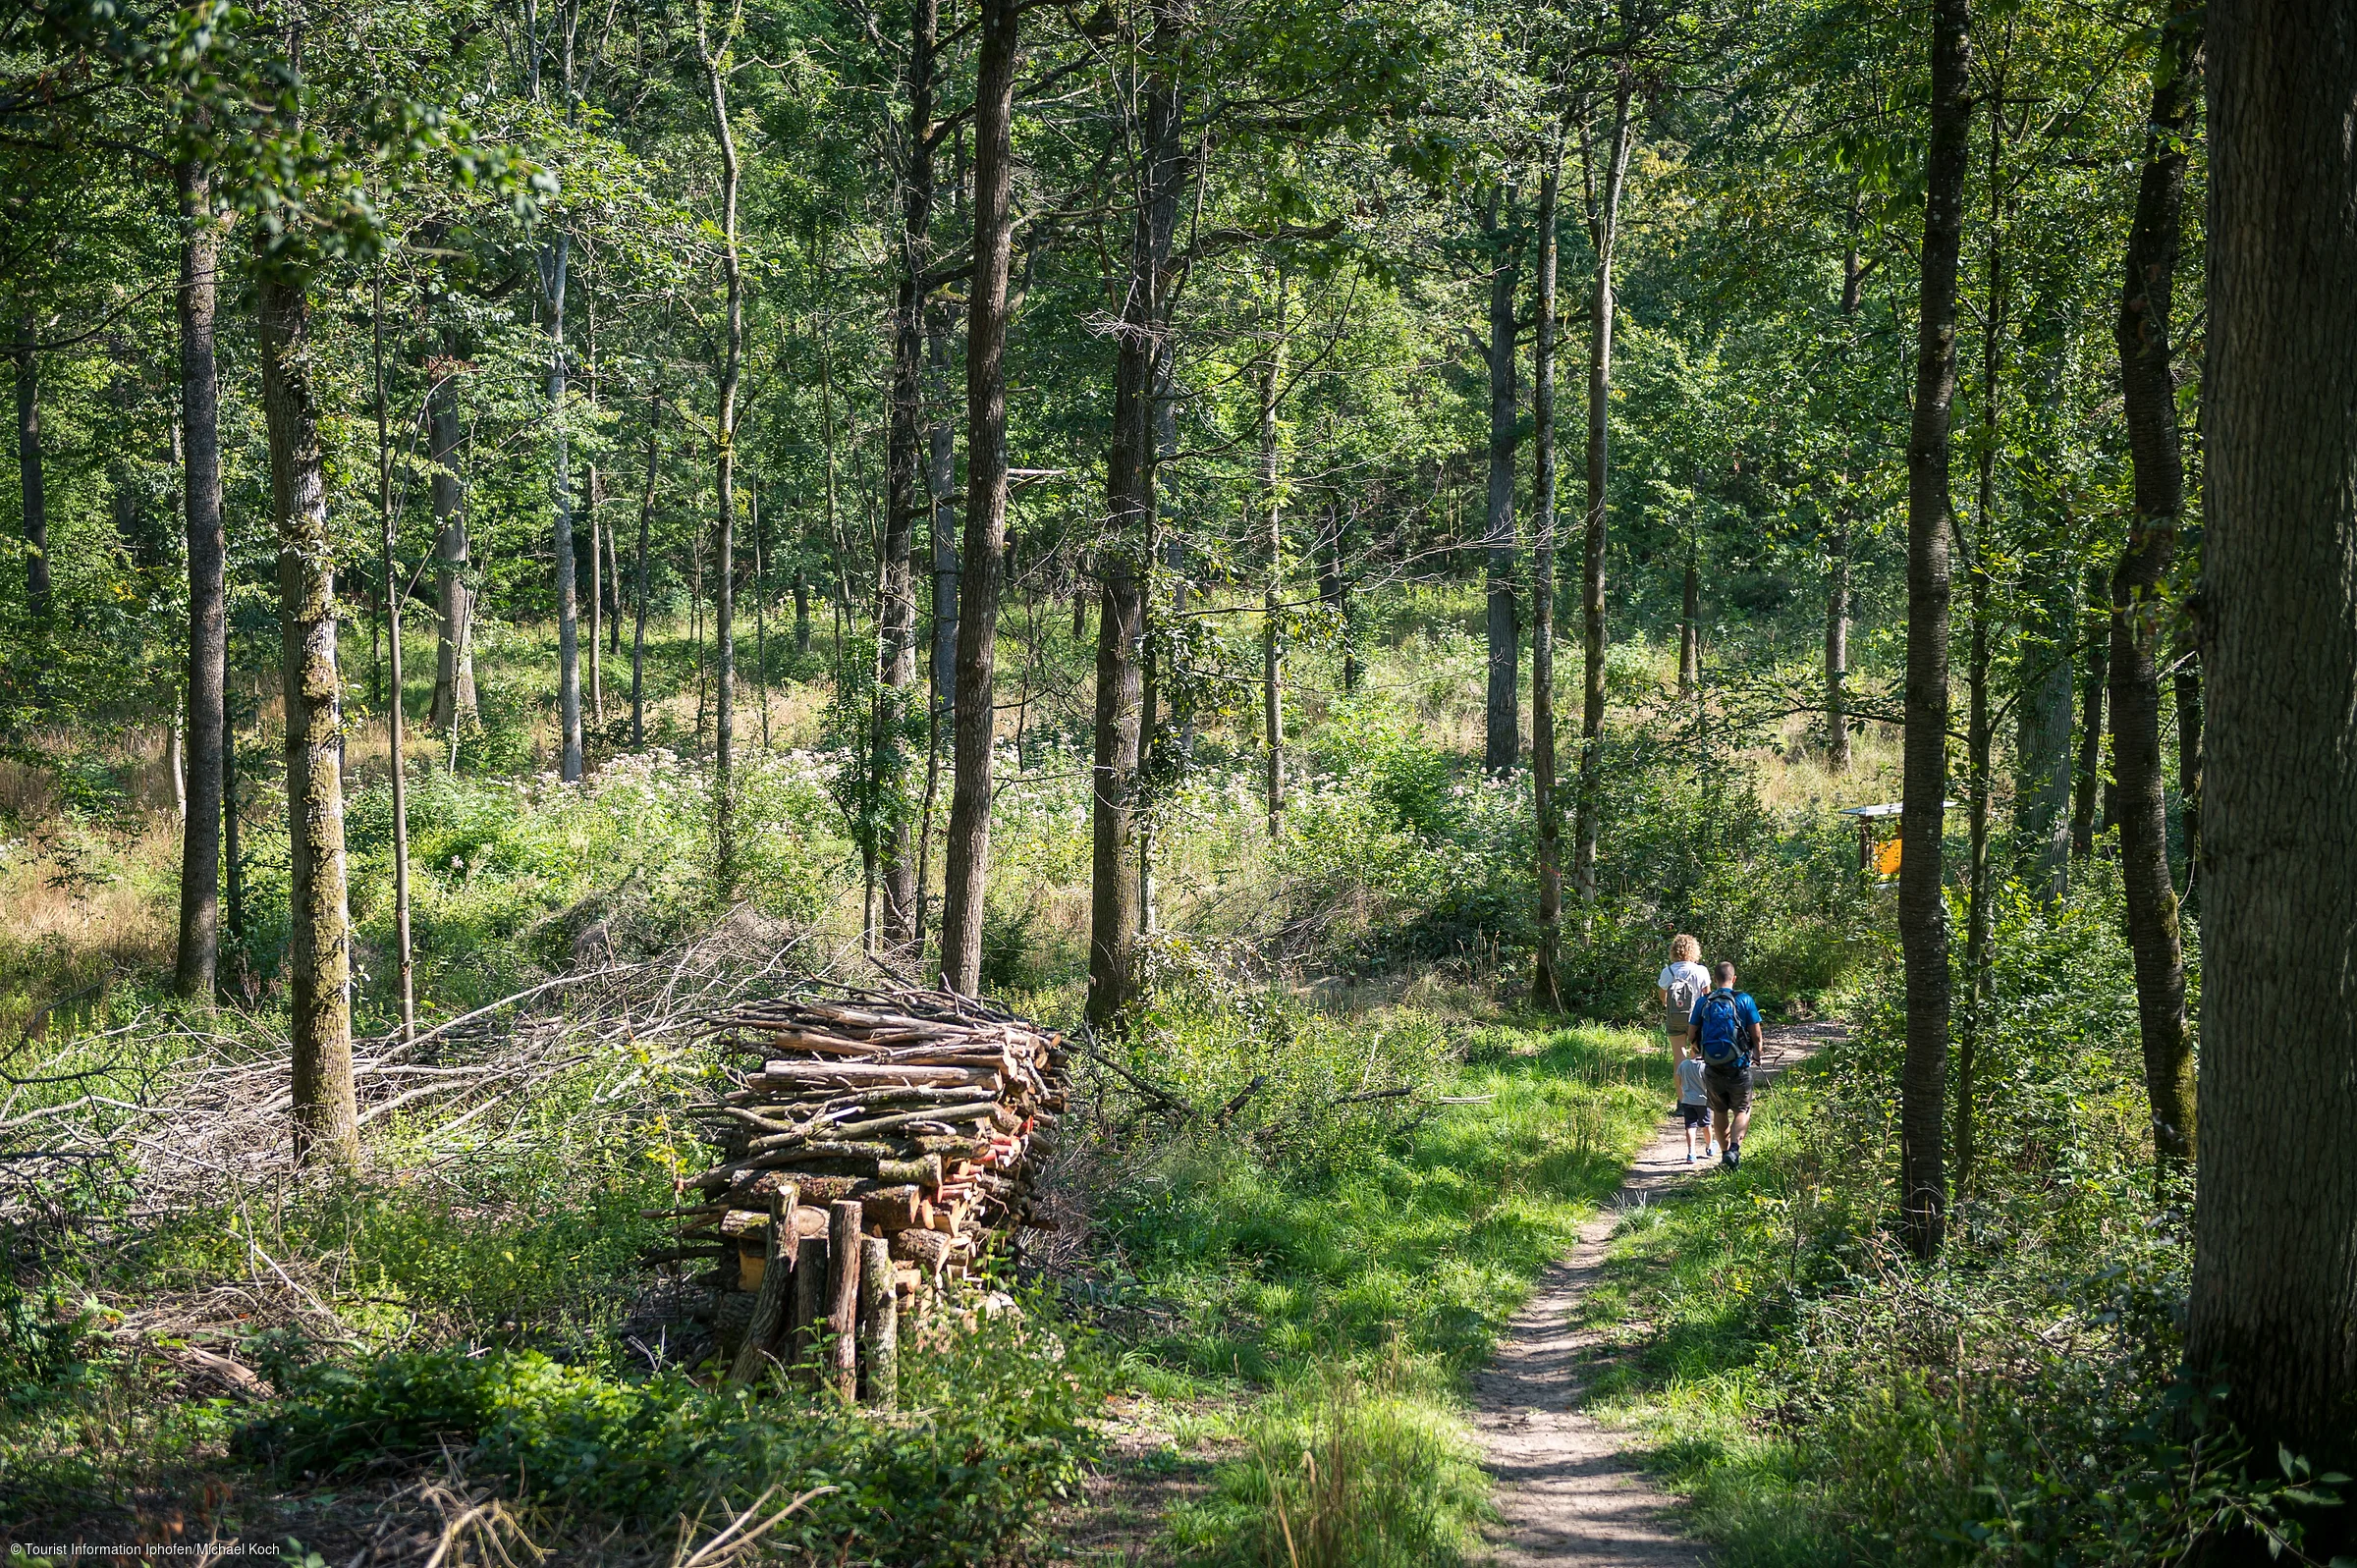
x: 1824, y: 1398
x: 1332, y: 1286
x: 989, y: 1432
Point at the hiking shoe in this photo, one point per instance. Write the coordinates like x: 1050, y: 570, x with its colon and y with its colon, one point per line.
x: 1734, y: 1159
x: 1727, y: 1160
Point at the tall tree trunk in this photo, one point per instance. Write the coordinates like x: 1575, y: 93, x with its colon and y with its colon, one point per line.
x: 232, y: 856
x: 968, y: 846
x: 555, y: 257
x: 1502, y: 733
x: 2087, y: 775
x: 454, y: 651
x: 395, y: 762
x: 2273, y: 1309
x: 1922, y: 909
x: 760, y: 606
x: 1979, y: 729
x: 36, y: 508
x: 1836, y: 648
x: 2189, y: 683
x: 1272, y: 543
x: 2149, y: 398
x: 591, y: 495
x: 724, y: 480
x: 895, y: 622
x: 941, y: 477
x: 197, y: 969
x: 646, y: 519
x: 1603, y: 231
x: 1116, y: 869
x: 1546, y: 985
x: 319, y: 928
x: 2042, y: 746
x: 1689, y: 622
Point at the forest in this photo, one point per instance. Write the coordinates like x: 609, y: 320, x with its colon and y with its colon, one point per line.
x: 1165, y: 609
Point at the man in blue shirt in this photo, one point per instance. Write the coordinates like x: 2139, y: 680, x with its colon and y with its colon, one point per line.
x: 1725, y: 1025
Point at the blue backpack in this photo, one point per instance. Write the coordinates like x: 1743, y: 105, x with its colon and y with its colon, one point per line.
x: 1723, y: 1044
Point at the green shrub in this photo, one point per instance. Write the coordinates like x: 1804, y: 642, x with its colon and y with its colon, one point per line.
x: 992, y: 1432
x: 2017, y: 1401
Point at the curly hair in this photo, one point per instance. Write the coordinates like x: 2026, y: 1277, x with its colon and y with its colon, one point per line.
x: 1685, y: 950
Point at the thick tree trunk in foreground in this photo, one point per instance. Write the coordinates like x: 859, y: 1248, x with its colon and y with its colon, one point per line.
x: 454, y: 650
x: 35, y: 506
x: 2274, y: 1311
x: 1546, y: 987
x: 1922, y: 913
x: 2150, y: 404
x: 968, y: 849
x: 195, y: 971
x: 1116, y: 884
x: 1502, y: 733
x: 905, y: 480
x: 1604, y: 233
x: 318, y: 934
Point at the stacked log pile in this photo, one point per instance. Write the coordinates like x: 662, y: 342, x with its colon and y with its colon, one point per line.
x: 873, y: 1149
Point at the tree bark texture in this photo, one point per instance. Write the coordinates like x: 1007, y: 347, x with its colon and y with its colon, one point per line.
x: 968, y: 847
x: 2273, y: 1309
x: 195, y: 971
x: 1603, y: 229
x: 1502, y: 733
x: 1922, y: 911
x: 318, y: 936
x: 1117, y: 888
x: 904, y: 479
x: 1546, y: 985
x: 2138, y: 598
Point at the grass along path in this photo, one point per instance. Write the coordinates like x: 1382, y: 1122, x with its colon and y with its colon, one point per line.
x: 1571, y: 1491
x: 1304, y: 1336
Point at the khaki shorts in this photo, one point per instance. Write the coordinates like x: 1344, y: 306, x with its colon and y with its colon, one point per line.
x: 1730, y: 1093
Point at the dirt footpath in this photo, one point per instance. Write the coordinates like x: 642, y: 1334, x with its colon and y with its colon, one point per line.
x: 1568, y: 1494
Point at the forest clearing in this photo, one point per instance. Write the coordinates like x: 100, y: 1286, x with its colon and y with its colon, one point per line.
x: 1180, y: 782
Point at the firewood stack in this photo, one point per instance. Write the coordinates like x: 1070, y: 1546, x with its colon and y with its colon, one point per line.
x: 873, y: 1149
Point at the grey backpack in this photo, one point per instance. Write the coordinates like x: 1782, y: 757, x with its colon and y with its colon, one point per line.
x: 1683, y: 993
